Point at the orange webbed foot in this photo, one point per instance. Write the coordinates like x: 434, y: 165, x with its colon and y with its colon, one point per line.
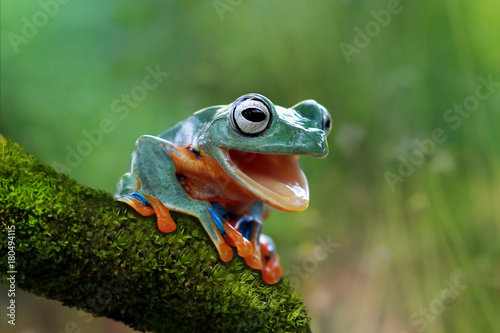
x: 252, y: 228
x: 139, y: 206
x: 165, y: 222
x: 271, y: 271
x: 235, y: 239
x: 254, y: 261
x: 225, y: 252
x: 147, y: 205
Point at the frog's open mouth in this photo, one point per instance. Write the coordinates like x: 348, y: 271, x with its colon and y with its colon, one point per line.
x: 277, y: 180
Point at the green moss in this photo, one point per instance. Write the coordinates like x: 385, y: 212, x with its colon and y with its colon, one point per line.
x: 79, y: 246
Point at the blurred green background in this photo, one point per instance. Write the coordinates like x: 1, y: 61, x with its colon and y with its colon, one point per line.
x: 413, y: 254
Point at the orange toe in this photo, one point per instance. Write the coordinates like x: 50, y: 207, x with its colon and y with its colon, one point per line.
x: 138, y: 205
x: 253, y: 260
x: 145, y: 210
x: 229, y: 241
x: 165, y: 222
x: 225, y: 252
x: 243, y: 246
x: 265, y: 247
x: 244, y: 249
x: 272, y: 272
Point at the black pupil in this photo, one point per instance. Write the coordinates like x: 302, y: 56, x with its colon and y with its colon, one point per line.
x: 254, y: 115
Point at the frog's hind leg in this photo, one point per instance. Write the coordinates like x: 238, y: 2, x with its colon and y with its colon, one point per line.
x: 271, y: 270
x: 140, y: 204
x: 126, y: 192
x: 263, y: 255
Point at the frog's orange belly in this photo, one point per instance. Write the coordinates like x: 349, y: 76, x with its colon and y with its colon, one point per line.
x: 204, y: 179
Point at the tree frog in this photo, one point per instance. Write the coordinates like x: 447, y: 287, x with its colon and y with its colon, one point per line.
x: 227, y: 166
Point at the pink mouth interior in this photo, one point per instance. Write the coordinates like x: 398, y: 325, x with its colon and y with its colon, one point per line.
x: 279, y: 178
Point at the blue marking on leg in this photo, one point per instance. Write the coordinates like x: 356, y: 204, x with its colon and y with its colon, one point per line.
x: 218, y: 207
x: 216, y: 217
x: 140, y: 197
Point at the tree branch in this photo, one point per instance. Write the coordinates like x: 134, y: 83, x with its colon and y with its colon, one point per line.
x: 80, y: 246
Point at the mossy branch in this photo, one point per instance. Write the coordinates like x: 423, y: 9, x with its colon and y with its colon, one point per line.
x: 81, y: 247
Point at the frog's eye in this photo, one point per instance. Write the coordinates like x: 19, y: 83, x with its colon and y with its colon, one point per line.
x: 251, y: 116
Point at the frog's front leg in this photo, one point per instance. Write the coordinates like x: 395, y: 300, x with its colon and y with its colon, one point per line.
x: 152, y: 186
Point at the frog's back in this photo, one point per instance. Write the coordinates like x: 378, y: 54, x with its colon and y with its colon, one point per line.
x: 187, y: 131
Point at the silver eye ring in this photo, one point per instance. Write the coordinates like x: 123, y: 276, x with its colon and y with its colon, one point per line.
x: 250, y: 116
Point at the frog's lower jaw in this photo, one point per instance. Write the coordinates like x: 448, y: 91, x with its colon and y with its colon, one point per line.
x: 277, y: 180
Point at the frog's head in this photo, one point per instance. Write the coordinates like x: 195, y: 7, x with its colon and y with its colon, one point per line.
x: 257, y: 143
